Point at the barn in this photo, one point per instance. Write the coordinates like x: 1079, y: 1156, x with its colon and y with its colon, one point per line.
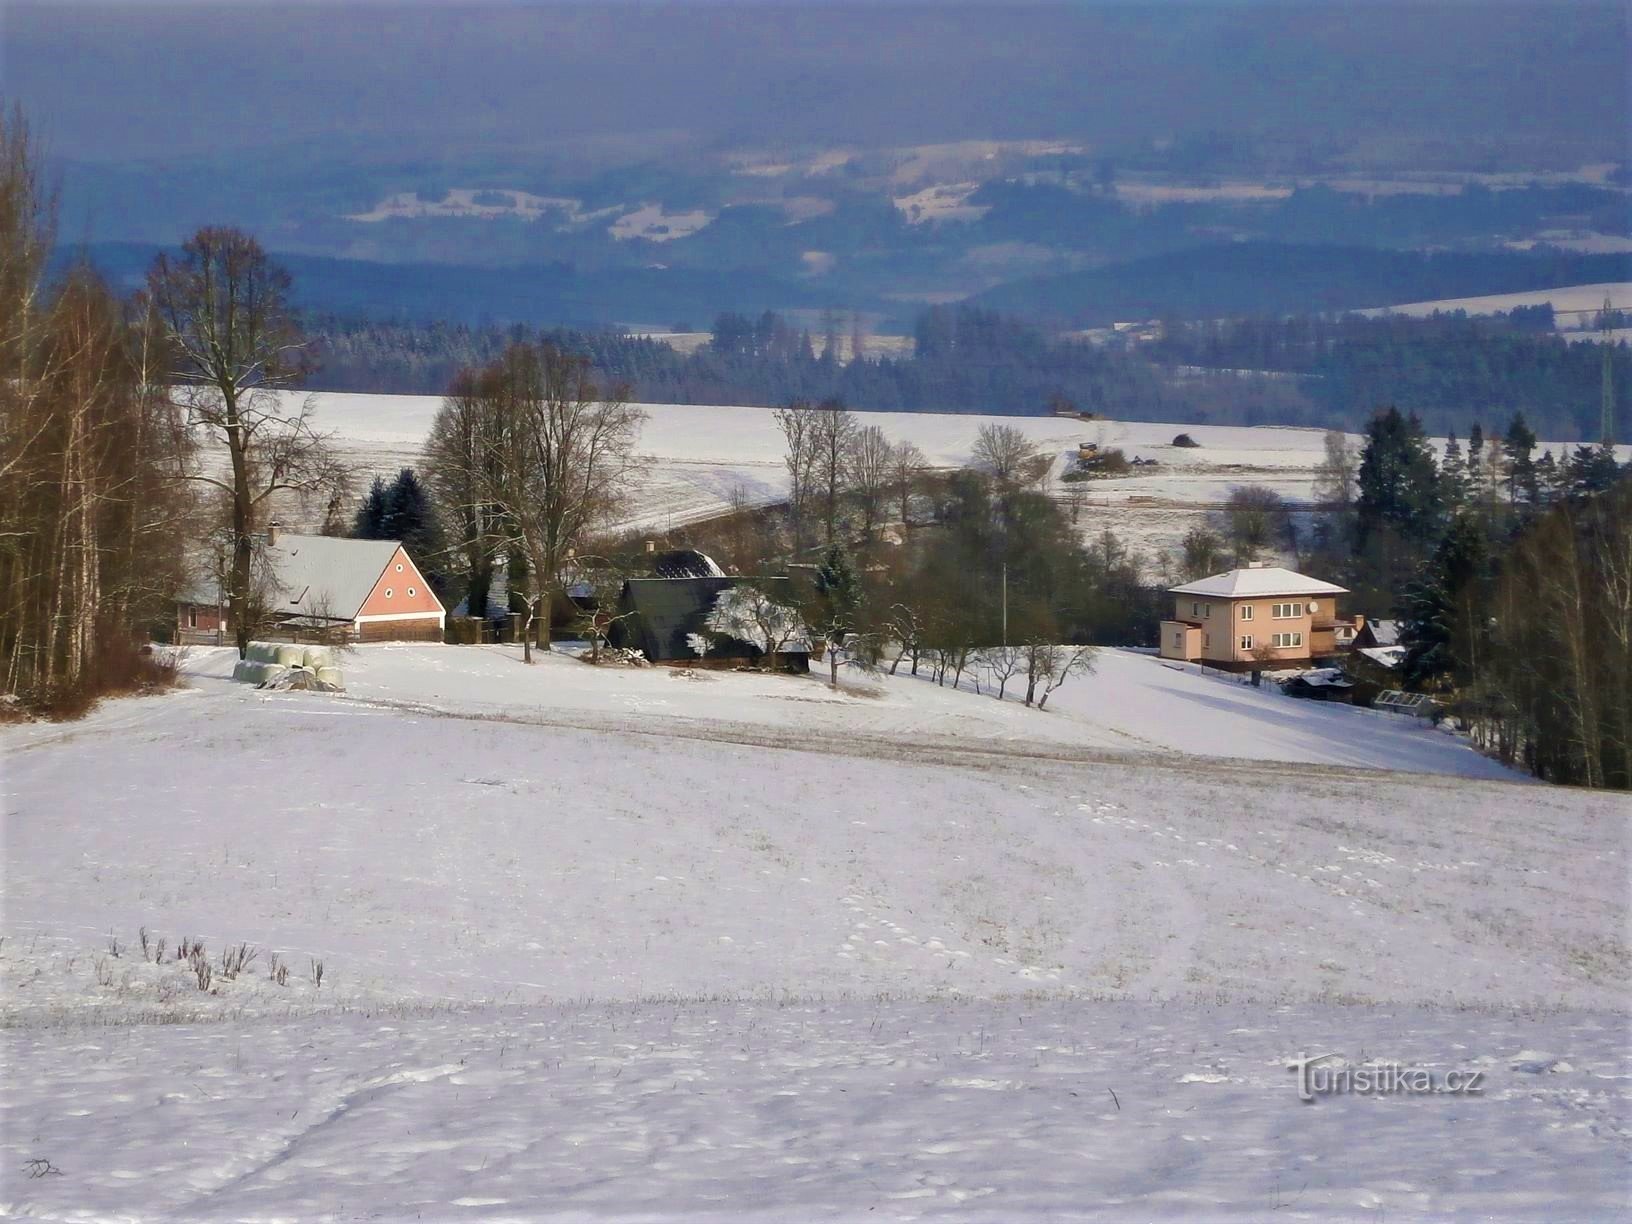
x: 369, y: 590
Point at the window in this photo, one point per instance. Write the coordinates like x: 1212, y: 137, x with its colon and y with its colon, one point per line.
x: 1287, y: 611
x: 1246, y: 641
x: 1195, y: 607
x: 388, y: 592
x: 410, y: 592
x: 1207, y: 611
x: 1178, y: 641
x: 1283, y: 640
x: 399, y: 567
x: 1246, y: 611
x: 1206, y: 641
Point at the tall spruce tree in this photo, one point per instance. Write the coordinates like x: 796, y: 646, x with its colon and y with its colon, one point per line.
x: 1517, y: 446
x: 370, y: 521
x: 1453, y: 474
x: 1440, y: 615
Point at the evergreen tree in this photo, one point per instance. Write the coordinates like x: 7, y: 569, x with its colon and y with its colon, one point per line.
x: 1398, y: 481
x: 370, y: 521
x: 410, y: 518
x: 836, y: 610
x: 1476, y: 462
x: 1398, y: 511
x: 1440, y: 617
x: 1453, y: 472
x: 1548, y: 475
x: 1517, y: 447
x: 1590, y: 470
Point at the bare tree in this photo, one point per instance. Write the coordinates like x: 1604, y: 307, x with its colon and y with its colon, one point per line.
x: 225, y: 311
x: 459, y: 460
x: 1256, y: 517
x: 834, y: 430
x: 89, y: 539
x: 1009, y: 457
x: 1004, y: 663
x: 907, y: 465
x: 798, y: 425
x: 1337, y: 473
x: 871, y: 461
x: 903, y: 624
x: 561, y: 461
x: 1062, y: 663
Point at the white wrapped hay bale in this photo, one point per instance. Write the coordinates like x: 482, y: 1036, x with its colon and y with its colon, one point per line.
x: 317, y: 657
x: 262, y: 652
x: 290, y: 656
x: 331, y: 678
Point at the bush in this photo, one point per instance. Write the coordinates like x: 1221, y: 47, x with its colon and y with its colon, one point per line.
x: 120, y: 667
x: 1186, y: 441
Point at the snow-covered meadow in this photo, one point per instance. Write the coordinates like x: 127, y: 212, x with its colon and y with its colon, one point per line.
x: 628, y: 943
x: 697, y: 460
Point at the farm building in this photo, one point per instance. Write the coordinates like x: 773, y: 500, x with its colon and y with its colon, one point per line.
x: 659, y: 616
x: 368, y: 590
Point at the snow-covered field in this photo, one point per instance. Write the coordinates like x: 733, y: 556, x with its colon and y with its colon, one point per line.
x: 621, y: 943
x: 1567, y: 300
x: 697, y: 458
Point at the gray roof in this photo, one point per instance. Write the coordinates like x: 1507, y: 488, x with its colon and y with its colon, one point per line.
x: 328, y: 576
x: 1258, y: 581
x: 1385, y: 632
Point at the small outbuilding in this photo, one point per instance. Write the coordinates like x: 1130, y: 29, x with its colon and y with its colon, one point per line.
x: 660, y: 616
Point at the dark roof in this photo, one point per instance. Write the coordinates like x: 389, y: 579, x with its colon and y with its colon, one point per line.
x: 685, y: 563
x: 1378, y: 633
x: 668, y: 610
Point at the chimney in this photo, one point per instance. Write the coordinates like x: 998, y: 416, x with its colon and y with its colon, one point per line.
x: 272, y: 530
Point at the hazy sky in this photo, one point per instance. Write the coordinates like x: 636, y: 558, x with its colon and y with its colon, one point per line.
x: 132, y: 80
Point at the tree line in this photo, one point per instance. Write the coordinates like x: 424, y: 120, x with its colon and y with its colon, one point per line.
x: 1303, y: 370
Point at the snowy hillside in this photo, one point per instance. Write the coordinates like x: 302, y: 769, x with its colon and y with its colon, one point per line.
x: 623, y: 942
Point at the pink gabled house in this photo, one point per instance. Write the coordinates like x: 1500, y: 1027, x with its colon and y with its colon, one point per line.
x: 371, y: 590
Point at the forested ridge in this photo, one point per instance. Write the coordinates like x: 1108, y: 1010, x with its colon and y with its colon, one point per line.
x: 1305, y: 370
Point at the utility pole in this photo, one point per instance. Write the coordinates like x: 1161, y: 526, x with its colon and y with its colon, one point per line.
x: 1608, y: 406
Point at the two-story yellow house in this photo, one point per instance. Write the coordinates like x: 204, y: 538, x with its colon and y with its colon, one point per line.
x: 1260, y: 616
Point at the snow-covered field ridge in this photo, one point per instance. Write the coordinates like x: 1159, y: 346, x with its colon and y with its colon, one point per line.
x: 609, y: 943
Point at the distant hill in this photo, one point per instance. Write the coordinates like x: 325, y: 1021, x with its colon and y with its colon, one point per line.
x: 1264, y: 278
x: 553, y: 294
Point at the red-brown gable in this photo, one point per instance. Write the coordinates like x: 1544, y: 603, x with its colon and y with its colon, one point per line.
x: 401, y: 589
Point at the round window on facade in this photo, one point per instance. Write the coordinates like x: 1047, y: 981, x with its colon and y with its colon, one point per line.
x: 410, y: 592
x: 399, y: 567
x: 388, y: 592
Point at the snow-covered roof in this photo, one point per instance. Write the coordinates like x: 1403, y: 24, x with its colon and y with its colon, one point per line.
x: 329, y: 576
x: 1325, y: 677
x: 1256, y: 581
x: 1386, y: 632
x: 1384, y: 656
